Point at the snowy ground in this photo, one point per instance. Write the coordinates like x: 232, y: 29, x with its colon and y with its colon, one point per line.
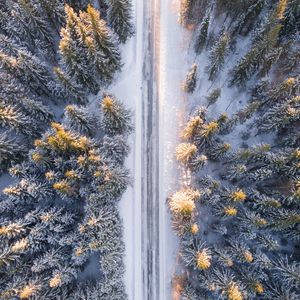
x: 174, y: 41
x: 155, y: 64
x: 129, y: 90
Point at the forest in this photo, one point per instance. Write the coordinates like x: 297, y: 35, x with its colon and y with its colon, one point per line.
x: 150, y: 150
x: 238, y: 214
x: 63, y: 142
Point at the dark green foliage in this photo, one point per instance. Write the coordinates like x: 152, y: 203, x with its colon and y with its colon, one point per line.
x: 186, y: 12
x: 217, y: 55
x: 79, y: 119
x: 88, y: 49
x: 120, y: 18
x: 10, y: 151
x: 190, y: 83
x: 244, y: 22
x: 116, y: 118
x: 265, y: 50
x: 248, y: 214
x: 291, y: 23
x: 66, y: 215
x: 59, y: 215
x: 201, y: 34
x: 213, y: 96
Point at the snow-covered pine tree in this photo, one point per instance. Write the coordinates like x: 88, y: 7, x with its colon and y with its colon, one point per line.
x: 185, y: 15
x: 12, y: 118
x: 213, y: 96
x: 190, y: 83
x: 105, y: 52
x: 79, y: 119
x: 68, y: 87
x: 201, y: 34
x: 116, y: 118
x: 54, y: 10
x: 114, y: 149
x: 28, y: 20
x: 10, y: 151
x: 291, y: 23
x: 120, y: 18
x: 217, y: 55
x: 265, y: 42
x: 72, y: 47
x: 30, y: 71
x: 244, y: 22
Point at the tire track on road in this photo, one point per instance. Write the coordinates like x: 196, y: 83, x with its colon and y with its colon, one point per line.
x: 150, y: 154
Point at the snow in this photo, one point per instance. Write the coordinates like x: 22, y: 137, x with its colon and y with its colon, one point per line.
x: 128, y: 89
x: 173, y: 65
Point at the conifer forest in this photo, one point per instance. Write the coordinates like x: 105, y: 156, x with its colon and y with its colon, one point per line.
x: 150, y: 149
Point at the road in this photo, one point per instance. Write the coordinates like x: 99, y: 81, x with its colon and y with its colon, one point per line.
x: 150, y: 156
x: 150, y: 85
x: 165, y: 65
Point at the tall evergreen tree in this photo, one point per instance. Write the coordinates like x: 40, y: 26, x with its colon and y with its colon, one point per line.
x: 28, y: 21
x: 201, y: 34
x: 80, y: 120
x: 88, y: 49
x: 186, y: 12
x: 217, y: 55
x: 265, y: 42
x: 74, y: 51
x: 14, y: 119
x: 116, y: 118
x: 68, y: 87
x: 190, y: 82
x: 105, y: 47
x: 10, y: 151
x: 120, y: 18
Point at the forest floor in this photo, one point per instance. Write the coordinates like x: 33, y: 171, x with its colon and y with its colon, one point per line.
x: 155, y: 65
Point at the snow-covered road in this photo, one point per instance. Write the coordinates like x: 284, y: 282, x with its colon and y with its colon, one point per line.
x: 155, y: 65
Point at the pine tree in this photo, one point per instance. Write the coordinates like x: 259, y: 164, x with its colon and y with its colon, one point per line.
x: 201, y: 34
x: 287, y: 272
x: 14, y: 119
x: 245, y: 20
x: 186, y: 12
x: 219, y: 151
x: 30, y: 71
x: 213, y: 96
x: 190, y: 83
x: 115, y: 149
x: 80, y: 120
x: 88, y: 49
x: 196, y: 255
x: 291, y: 23
x: 68, y: 87
x: 192, y: 127
x: 75, y: 52
x: 116, y: 118
x: 183, y: 201
x: 54, y: 10
x: 206, y: 134
x: 8, y: 46
x: 10, y: 151
x: 104, y: 43
x: 217, y: 55
x: 185, y: 152
x: 120, y: 18
x: 27, y: 19
x: 280, y: 116
x: 265, y: 42
x: 37, y: 110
